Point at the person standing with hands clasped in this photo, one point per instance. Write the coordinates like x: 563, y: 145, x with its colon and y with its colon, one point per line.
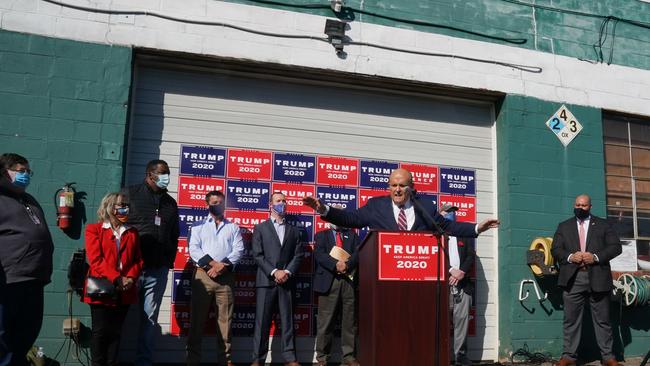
x: 277, y: 251
x: 334, y: 284
x: 216, y: 246
x: 113, y: 251
x: 583, y: 246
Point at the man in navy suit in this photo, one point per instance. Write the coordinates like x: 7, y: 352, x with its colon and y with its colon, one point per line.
x: 583, y: 246
x: 277, y: 251
x: 333, y: 285
x: 397, y: 212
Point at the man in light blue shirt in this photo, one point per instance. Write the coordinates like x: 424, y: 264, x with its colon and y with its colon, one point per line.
x: 216, y: 247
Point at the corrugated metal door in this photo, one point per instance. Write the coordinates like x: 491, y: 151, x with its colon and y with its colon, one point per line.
x: 184, y: 107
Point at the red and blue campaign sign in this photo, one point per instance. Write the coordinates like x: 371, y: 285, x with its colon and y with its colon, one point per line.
x: 296, y: 168
x: 425, y: 177
x: 307, y: 262
x: 182, y: 287
x: 408, y: 256
x: 374, y: 174
x: 204, y: 161
x: 366, y: 194
x: 188, y: 216
x: 244, y: 288
x: 246, y: 219
x: 182, y: 260
x: 337, y: 171
x: 301, y: 322
x: 432, y: 198
x: 246, y: 263
x: 192, y: 190
x: 466, y: 206
x: 247, y: 195
x: 294, y: 194
x: 304, y: 223
x: 344, y: 197
x: 457, y: 181
x: 249, y: 164
x: 303, y: 289
x: 243, y: 320
x: 320, y: 224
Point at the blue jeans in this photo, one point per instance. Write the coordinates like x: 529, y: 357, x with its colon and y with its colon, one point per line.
x: 152, y: 287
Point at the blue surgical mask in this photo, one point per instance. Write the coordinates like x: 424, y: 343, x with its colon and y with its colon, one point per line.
x: 451, y: 216
x: 279, y: 208
x: 216, y: 210
x: 20, y: 179
x: 163, y: 181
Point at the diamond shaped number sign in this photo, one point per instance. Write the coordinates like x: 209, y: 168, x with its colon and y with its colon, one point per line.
x: 565, y: 125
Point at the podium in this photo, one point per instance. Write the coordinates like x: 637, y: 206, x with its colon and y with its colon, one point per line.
x: 403, y: 300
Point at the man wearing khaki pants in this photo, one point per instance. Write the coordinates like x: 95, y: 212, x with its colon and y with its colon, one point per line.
x: 215, y: 247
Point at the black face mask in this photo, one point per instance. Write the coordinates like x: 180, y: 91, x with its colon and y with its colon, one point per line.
x: 580, y: 213
x: 216, y: 210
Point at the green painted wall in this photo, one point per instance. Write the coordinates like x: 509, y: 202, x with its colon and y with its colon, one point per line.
x: 537, y: 182
x: 63, y: 105
x: 559, y: 32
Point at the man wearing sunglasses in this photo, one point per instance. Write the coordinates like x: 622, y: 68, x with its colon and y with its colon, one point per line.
x: 25, y: 261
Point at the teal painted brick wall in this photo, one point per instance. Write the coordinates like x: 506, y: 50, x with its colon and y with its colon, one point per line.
x: 60, y: 101
x: 537, y: 183
x: 559, y: 32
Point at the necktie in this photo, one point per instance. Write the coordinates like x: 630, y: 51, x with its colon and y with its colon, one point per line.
x: 401, y: 220
x: 339, y: 241
x: 583, y: 238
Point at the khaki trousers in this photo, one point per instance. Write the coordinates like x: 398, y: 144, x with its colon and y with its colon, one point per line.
x: 206, y: 290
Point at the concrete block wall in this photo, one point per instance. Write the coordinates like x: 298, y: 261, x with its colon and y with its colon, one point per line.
x: 538, y: 179
x: 623, y: 86
x: 63, y: 105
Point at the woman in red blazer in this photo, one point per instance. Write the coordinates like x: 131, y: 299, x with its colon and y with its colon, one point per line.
x: 113, y: 251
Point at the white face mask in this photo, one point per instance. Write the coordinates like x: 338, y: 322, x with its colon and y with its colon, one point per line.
x: 163, y: 181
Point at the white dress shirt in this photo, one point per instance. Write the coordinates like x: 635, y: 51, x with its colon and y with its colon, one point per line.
x: 219, y: 242
x: 408, y: 210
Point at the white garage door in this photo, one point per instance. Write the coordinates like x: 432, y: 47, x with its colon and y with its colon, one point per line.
x: 173, y: 107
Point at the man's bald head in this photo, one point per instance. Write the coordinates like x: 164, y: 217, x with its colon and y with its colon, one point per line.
x: 397, y: 182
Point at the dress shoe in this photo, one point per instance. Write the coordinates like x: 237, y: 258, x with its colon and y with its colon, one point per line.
x: 611, y: 362
x: 355, y: 363
x: 292, y: 363
x: 565, y: 362
x: 229, y: 363
x: 256, y: 364
x: 322, y: 363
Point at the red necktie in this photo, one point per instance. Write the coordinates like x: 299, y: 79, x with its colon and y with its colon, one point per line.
x: 339, y: 241
x: 583, y: 238
x: 401, y: 220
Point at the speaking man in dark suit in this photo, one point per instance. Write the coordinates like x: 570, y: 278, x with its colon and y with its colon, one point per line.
x: 277, y: 251
x: 461, y: 260
x: 334, y: 283
x: 397, y: 212
x: 583, y: 246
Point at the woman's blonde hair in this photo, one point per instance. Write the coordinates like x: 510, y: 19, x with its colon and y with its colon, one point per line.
x: 105, y: 210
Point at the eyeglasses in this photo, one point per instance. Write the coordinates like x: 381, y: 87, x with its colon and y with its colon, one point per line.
x: 23, y: 171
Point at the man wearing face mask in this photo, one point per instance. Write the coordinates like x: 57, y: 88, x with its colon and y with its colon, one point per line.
x: 154, y: 213
x: 461, y: 259
x: 277, y: 251
x: 583, y: 246
x: 216, y: 246
x: 334, y: 285
x: 25, y: 261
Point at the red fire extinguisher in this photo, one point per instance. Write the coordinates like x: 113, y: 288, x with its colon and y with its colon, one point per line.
x: 64, y: 198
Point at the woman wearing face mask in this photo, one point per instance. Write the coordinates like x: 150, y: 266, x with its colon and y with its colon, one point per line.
x: 113, y: 251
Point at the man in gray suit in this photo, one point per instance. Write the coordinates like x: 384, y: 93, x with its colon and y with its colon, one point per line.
x: 583, y: 246
x: 277, y: 250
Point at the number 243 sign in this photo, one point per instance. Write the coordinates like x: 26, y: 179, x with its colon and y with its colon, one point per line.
x: 565, y: 125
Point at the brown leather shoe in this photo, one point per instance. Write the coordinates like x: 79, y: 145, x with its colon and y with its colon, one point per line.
x: 229, y: 363
x: 322, y: 363
x: 256, y: 364
x: 352, y: 363
x: 292, y: 363
x: 611, y: 362
x: 565, y: 362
